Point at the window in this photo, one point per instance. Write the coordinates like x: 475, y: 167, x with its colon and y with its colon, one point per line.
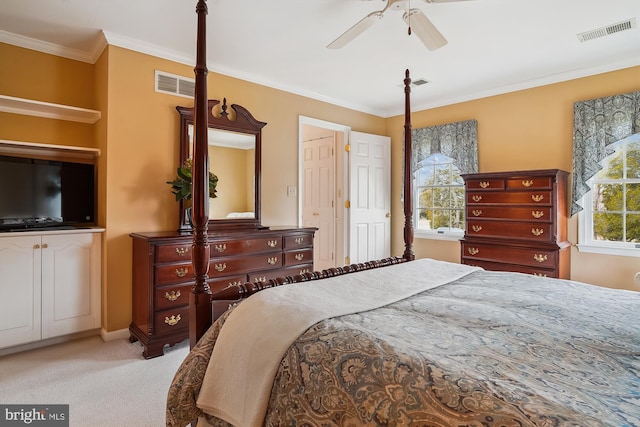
x: 439, y: 197
x: 610, y: 222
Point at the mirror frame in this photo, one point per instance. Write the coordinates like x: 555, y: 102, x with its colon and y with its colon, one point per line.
x: 244, y: 122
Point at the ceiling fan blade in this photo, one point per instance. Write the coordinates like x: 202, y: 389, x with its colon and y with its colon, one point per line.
x: 356, y: 30
x: 424, y: 29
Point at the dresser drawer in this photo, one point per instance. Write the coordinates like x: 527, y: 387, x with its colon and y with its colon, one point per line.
x: 298, y: 241
x: 495, y: 266
x: 263, y: 276
x: 219, y: 284
x: 244, y: 246
x: 544, y: 258
x: 173, y: 253
x: 172, y: 296
x: 542, y: 198
x: 540, y: 232
x: 538, y: 214
x: 303, y: 256
x: 220, y: 267
x: 531, y: 183
x: 174, y: 273
x: 485, y: 184
x: 172, y: 320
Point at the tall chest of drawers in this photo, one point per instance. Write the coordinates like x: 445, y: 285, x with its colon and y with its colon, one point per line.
x: 517, y: 221
x: 163, y: 274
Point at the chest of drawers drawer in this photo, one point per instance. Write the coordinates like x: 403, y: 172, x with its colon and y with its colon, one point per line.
x: 228, y: 247
x: 298, y: 241
x: 172, y: 320
x: 536, y: 257
x: 536, y: 198
x: 173, y: 273
x: 172, y: 296
x: 542, y: 232
x: 219, y: 267
x: 534, y: 214
x: 298, y: 257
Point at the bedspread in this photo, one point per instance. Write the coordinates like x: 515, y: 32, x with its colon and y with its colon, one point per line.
x: 491, y: 349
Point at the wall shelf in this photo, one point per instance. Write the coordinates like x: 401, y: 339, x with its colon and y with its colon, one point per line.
x: 29, y: 107
x: 49, y: 151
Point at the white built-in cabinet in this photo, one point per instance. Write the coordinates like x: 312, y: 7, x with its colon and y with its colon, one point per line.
x: 49, y: 284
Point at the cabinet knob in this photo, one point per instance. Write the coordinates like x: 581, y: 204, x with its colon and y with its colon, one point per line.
x: 476, y: 212
x: 172, y: 296
x: 527, y: 183
x: 540, y: 257
x: 36, y: 246
x: 484, y: 184
x: 476, y: 198
x: 272, y: 260
x: 537, y: 214
x: 272, y: 243
x: 537, y: 231
x: 220, y: 248
x: 182, y: 251
x: 45, y: 246
x: 299, y: 240
x: 476, y: 228
x: 173, y: 320
x: 299, y: 256
x: 181, y: 272
x: 537, y: 197
x: 220, y: 267
x: 473, y: 251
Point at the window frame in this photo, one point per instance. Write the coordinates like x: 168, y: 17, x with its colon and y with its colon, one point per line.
x: 586, y: 242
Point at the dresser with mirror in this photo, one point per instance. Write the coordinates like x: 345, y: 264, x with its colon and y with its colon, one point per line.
x: 242, y: 249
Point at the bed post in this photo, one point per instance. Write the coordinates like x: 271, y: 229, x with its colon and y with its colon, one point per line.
x: 199, y: 300
x: 408, y: 184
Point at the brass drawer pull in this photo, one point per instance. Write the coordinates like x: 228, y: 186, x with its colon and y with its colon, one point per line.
x: 173, y: 320
x: 476, y: 212
x: 527, y: 183
x: 220, y: 248
x: 476, y: 198
x: 484, y: 184
x: 172, y: 296
x: 305, y: 270
x: 299, y: 240
x: 540, y: 274
x: 182, y: 251
x: 220, y: 267
x: 540, y: 257
x: 537, y: 197
x: 272, y: 243
x: 537, y: 231
x: 181, y: 272
x: 473, y: 251
x: 476, y: 228
x: 272, y: 260
x: 537, y: 214
x: 234, y: 283
x: 299, y: 257
x: 260, y: 279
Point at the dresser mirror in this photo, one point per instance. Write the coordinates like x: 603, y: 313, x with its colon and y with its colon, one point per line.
x: 235, y: 143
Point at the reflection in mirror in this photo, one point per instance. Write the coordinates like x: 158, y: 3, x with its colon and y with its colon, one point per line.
x: 232, y: 159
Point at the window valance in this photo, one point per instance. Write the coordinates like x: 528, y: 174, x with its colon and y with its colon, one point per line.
x: 597, y: 124
x: 458, y: 141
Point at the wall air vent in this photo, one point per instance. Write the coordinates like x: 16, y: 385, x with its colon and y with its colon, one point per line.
x: 174, y: 85
x: 608, y: 30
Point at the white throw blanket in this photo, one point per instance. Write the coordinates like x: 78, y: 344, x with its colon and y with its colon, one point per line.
x: 257, y: 334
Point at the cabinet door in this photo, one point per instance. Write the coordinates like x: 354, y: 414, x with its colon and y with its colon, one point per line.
x: 70, y: 283
x: 19, y: 290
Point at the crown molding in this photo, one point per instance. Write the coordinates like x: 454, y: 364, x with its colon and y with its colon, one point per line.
x: 45, y: 47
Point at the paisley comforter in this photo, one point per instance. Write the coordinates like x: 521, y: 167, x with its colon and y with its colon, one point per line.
x: 489, y: 349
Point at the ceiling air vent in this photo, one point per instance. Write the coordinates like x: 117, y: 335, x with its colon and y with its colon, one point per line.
x: 175, y: 85
x: 608, y: 30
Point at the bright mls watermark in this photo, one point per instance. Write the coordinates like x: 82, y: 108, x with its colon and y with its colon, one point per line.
x: 34, y: 415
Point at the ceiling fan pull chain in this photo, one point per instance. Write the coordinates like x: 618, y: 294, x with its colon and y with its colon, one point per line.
x: 409, y: 12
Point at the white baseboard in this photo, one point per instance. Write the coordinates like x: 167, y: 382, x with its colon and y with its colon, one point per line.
x: 114, y: 335
x: 48, y: 342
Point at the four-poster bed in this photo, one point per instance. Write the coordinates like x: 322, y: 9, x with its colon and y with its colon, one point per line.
x: 402, y: 341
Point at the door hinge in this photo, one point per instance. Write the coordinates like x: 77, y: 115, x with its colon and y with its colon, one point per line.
x: 347, y: 261
x: 347, y: 148
x: 347, y: 204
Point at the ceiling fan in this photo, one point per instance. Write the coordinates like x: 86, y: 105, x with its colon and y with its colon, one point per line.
x: 414, y: 18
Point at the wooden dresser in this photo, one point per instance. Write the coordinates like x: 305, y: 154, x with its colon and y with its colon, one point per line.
x: 517, y: 221
x: 163, y: 275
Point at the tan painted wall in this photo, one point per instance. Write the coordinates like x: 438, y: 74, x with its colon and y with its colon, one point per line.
x: 529, y: 129
x: 138, y: 139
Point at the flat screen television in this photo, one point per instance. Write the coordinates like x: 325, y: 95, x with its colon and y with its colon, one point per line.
x: 37, y: 193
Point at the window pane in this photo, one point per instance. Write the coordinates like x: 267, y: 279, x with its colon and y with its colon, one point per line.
x: 633, y: 197
x: 457, y: 198
x: 442, y: 175
x: 457, y: 219
x: 633, y: 228
x: 607, y: 226
x: 440, y: 219
x: 441, y: 197
x: 633, y: 160
x: 608, y: 197
x: 424, y: 219
x: 426, y: 198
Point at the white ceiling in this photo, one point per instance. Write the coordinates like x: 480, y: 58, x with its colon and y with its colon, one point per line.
x: 495, y: 46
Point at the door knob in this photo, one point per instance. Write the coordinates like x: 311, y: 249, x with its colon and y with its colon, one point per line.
x: 388, y: 215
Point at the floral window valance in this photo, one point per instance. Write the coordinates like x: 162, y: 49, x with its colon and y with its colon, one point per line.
x: 597, y: 124
x: 458, y: 141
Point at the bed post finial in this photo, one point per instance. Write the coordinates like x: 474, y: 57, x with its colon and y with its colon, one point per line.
x: 199, y: 301
x: 408, y: 182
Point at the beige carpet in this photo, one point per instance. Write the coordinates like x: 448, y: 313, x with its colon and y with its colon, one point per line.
x: 106, y: 384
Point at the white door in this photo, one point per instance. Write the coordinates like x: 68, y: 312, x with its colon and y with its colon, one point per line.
x: 19, y: 290
x: 318, y: 204
x: 370, y: 197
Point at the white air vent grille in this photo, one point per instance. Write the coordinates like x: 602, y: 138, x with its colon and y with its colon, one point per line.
x: 608, y: 30
x: 175, y: 85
